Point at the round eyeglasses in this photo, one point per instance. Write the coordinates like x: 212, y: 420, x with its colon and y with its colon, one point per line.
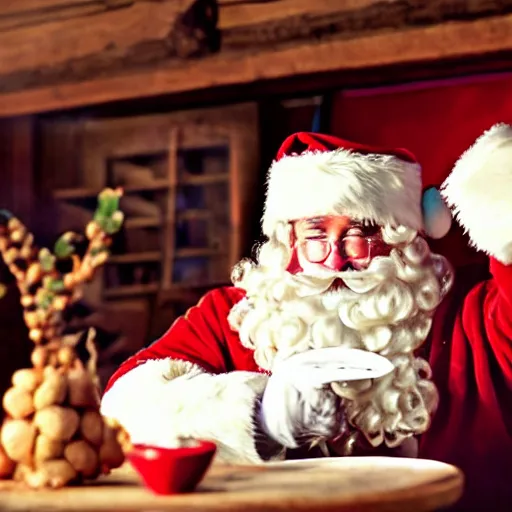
x: 356, y: 250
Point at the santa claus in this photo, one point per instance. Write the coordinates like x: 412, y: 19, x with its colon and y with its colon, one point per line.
x: 346, y: 264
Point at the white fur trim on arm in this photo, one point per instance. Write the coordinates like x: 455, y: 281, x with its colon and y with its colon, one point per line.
x: 479, y: 190
x: 161, y: 400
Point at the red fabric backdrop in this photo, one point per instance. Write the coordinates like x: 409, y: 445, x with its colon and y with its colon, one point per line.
x: 437, y: 121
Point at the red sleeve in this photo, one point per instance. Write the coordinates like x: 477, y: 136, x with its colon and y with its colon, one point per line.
x: 471, y: 359
x: 202, y: 336
x: 501, y: 307
x: 196, y: 381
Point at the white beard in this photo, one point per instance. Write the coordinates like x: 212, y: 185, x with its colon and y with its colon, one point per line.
x: 386, y: 309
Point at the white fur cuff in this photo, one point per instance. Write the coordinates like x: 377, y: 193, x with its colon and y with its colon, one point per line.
x: 479, y: 190
x: 161, y: 400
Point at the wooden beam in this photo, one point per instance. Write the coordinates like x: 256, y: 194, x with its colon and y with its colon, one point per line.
x: 101, y: 37
x: 248, y: 26
x: 88, y: 39
x: 446, y: 41
x: 25, y: 13
x: 236, y: 14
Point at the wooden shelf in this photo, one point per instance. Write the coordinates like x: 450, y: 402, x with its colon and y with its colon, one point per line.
x: 189, y: 292
x: 194, y: 214
x: 142, y: 222
x: 176, y: 293
x: 189, y: 179
x: 152, y: 222
x: 135, y: 257
x: 168, y: 234
x: 130, y: 290
x: 203, y: 179
x: 84, y: 193
x: 194, y: 252
x: 142, y: 257
x: 74, y: 193
x: 158, y: 184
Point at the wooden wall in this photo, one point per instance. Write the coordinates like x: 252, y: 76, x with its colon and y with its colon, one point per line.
x: 16, y: 160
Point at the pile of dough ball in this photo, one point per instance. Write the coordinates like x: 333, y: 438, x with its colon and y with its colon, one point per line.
x: 54, y: 434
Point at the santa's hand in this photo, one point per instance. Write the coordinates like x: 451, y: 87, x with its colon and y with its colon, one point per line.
x: 294, y: 417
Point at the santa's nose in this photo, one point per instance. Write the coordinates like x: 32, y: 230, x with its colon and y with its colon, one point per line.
x: 335, y: 261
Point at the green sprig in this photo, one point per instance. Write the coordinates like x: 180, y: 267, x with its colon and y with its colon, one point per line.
x: 63, y: 248
x: 46, y: 259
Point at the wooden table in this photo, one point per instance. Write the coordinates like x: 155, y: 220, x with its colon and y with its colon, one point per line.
x: 342, y: 484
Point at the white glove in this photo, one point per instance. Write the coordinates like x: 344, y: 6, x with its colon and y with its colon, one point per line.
x: 293, y: 418
x: 298, y: 403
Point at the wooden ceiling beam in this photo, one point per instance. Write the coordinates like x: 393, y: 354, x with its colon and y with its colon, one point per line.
x: 70, y: 41
x: 444, y: 41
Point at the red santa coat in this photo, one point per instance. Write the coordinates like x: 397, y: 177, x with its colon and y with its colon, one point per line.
x: 470, y: 353
x: 471, y: 359
x: 197, y: 380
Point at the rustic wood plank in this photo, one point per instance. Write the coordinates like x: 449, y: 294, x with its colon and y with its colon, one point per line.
x: 61, y: 42
x: 421, y: 44
x: 111, y: 41
x: 74, y: 39
x: 238, y: 13
x: 246, y: 26
x: 26, y: 13
x: 143, y: 34
x: 169, y: 232
x: 38, y: 17
x: 18, y: 7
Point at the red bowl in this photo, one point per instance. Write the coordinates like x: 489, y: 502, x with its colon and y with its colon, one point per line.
x: 172, y: 470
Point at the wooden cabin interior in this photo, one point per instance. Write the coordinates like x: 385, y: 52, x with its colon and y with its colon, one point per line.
x: 184, y: 103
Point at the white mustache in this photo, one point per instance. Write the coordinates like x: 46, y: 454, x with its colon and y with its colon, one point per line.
x: 358, y: 281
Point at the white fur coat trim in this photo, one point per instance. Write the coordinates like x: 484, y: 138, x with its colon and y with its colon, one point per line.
x: 479, y: 189
x: 161, y: 400
x: 380, y: 188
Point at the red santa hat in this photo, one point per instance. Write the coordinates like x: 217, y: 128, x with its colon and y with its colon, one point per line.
x: 316, y: 174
